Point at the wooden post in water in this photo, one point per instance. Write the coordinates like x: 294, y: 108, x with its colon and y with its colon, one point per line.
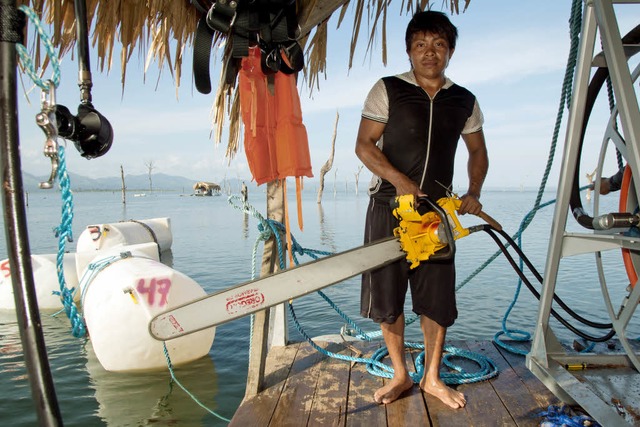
x: 262, y: 320
x: 124, y: 189
x: 329, y: 163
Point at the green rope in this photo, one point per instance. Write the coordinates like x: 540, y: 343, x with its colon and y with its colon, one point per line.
x: 191, y: 395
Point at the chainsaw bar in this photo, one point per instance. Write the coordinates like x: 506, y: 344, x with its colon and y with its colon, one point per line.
x: 253, y: 296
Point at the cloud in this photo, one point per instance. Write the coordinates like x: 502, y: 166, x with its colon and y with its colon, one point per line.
x: 529, y: 54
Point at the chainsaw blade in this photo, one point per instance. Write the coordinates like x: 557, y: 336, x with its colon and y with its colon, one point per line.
x: 253, y: 296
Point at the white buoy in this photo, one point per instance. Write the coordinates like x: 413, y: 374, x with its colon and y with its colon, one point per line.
x: 125, y: 233
x: 45, y: 277
x: 120, y: 297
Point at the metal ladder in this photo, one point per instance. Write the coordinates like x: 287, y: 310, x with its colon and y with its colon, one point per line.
x: 547, y: 358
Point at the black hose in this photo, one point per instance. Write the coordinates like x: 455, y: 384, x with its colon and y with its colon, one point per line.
x: 556, y: 298
x: 491, y: 232
x: 82, y: 42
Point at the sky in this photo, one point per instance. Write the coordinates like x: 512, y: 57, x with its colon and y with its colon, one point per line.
x: 511, y: 54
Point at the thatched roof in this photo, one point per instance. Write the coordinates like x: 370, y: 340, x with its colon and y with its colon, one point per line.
x: 161, y: 30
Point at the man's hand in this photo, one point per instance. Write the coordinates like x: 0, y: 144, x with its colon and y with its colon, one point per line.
x: 404, y: 185
x: 470, y: 204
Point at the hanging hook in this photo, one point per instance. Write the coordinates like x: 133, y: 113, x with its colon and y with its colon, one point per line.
x: 46, y: 119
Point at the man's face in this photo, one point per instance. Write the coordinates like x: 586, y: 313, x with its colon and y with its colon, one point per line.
x: 429, y: 54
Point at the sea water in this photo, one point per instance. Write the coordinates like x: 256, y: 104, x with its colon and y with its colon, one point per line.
x: 214, y: 243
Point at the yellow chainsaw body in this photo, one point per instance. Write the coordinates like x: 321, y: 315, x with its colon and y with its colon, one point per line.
x: 423, y: 235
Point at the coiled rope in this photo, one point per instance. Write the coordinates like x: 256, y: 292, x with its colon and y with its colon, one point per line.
x: 375, y: 366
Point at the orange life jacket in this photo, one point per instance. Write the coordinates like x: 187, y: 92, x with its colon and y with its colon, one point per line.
x: 275, y: 139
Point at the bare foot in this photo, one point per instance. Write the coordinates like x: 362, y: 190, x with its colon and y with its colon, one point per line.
x: 392, y: 390
x: 449, y: 396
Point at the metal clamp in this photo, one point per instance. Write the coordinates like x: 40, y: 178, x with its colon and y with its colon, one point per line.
x: 46, y: 119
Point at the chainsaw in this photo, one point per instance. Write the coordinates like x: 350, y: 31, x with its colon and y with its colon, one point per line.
x: 427, y: 230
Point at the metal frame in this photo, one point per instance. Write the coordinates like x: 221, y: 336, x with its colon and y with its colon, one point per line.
x: 547, y: 359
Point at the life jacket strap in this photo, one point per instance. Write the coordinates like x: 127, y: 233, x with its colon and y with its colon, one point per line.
x: 271, y: 24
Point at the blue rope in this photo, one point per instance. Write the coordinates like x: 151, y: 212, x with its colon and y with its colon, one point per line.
x: 64, y: 234
x: 517, y: 334
x: 375, y: 366
x: 191, y: 395
x: 565, y: 98
x: 561, y: 416
x: 27, y: 63
x: 64, y: 231
x: 575, y: 23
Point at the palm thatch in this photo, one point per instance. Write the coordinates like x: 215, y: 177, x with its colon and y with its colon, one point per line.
x: 161, y: 30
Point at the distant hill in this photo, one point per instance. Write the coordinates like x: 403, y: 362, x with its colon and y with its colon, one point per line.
x: 160, y: 181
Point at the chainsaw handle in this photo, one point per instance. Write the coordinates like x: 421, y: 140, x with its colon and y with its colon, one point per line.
x: 489, y: 220
x: 449, y: 251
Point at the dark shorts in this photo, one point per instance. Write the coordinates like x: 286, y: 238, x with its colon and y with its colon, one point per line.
x: 384, y: 290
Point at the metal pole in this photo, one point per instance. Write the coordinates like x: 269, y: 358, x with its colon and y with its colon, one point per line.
x: 82, y: 41
x: 15, y: 224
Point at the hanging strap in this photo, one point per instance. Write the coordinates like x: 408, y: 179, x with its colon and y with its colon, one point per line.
x: 272, y: 24
x: 201, y: 55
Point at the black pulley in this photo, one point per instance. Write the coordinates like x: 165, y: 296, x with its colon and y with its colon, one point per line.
x: 95, y: 133
x: 90, y: 131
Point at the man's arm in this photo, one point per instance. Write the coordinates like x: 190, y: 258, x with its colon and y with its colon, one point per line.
x: 477, y: 167
x: 372, y: 157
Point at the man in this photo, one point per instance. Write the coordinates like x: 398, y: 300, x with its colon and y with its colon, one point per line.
x: 410, y: 127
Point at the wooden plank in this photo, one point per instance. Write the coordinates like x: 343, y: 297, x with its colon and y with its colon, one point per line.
x: 362, y: 410
x: 410, y: 409
x: 484, y: 406
x: 279, y: 363
x: 258, y: 355
x: 330, y: 403
x: 510, y: 387
x: 297, y: 395
x: 303, y: 387
x: 259, y: 409
x: 541, y: 394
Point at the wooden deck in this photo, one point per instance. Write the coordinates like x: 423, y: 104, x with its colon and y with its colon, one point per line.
x: 305, y: 388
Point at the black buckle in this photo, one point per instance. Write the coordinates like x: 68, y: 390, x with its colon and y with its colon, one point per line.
x: 222, y: 15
